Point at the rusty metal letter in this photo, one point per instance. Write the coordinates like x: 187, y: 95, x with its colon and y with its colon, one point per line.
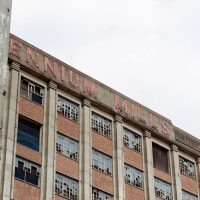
x: 91, y: 90
x: 30, y: 56
x: 74, y: 82
x: 121, y: 105
x: 15, y: 48
x: 52, y: 66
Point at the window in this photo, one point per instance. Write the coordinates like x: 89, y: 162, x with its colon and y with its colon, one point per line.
x: 68, y: 109
x: 162, y: 189
x: 133, y: 176
x: 100, y: 195
x: 101, y: 125
x: 132, y: 140
x: 188, y: 196
x: 28, y: 134
x: 32, y: 91
x: 160, y: 158
x: 186, y: 167
x: 101, y: 162
x: 66, y: 187
x: 67, y: 147
x: 27, y: 171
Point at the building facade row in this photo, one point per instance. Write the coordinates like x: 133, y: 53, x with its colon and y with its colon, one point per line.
x: 59, y: 143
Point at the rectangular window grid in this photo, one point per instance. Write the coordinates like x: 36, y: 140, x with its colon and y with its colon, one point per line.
x: 162, y: 189
x: 27, y: 171
x: 100, y: 195
x: 66, y: 187
x: 32, y: 91
x: 28, y: 134
x: 101, y: 162
x: 133, y: 176
x: 132, y: 140
x: 67, y: 147
x: 101, y: 125
x: 68, y: 109
x: 188, y: 196
x: 187, y: 167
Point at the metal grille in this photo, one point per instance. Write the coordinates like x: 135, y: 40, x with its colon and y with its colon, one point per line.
x: 162, y: 189
x: 66, y: 187
x: 67, y: 147
x: 186, y: 167
x: 133, y: 176
x: 101, y: 162
x: 101, y: 125
x: 132, y: 140
x: 188, y: 196
x: 99, y: 195
x: 68, y: 109
x: 27, y: 171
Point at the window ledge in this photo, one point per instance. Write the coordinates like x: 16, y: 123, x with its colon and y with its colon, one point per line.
x: 36, y: 186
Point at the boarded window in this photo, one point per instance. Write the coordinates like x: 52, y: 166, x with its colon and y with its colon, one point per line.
x: 160, y: 158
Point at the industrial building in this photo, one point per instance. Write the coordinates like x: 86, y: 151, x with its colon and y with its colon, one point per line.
x: 65, y: 135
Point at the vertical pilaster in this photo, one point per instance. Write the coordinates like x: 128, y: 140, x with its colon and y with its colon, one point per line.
x: 50, y: 141
x: 10, y: 132
x: 177, y: 191
x: 119, y: 159
x: 149, y: 173
x: 198, y: 174
x: 86, y: 150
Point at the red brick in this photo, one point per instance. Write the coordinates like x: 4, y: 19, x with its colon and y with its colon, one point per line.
x: 31, y: 110
x: 189, y: 184
x: 132, y: 192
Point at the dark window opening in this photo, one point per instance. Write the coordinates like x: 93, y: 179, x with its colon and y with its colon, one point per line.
x: 160, y: 158
x: 27, y: 171
x: 28, y: 134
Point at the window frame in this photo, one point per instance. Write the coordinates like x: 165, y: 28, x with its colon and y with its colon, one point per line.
x: 105, y: 122
x: 27, y: 167
x: 101, y: 193
x: 28, y: 93
x: 132, y: 134
x: 65, y: 180
x: 131, y: 168
x: 157, y: 165
x: 72, y: 106
x: 68, y: 141
x: 102, y: 167
x: 29, y: 125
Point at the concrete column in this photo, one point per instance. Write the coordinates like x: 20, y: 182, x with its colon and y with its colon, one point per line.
x: 50, y: 142
x: 177, y: 191
x: 119, y: 159
x: 198, y: 174
x: 9, y: 133
x: 86, y: 149
x: 149, y: 171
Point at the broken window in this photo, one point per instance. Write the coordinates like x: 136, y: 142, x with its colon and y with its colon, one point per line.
x: 160, y: 158
x: 162, y: 189
x: 101, y: 162
x: 32, y: 91
x: 186, y: 167
x: 101, y: 125
x: 100, y: 195
x: 188, y: 196
x: 68, y: 109
x: 67, y: 147
x: 132, y: 140
x: 133, y: 176
x: 28, y: 134
x: 66, y: 187
x: 27, y: 171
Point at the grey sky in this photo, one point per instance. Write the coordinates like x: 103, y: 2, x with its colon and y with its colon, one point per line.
x: 148, y: 50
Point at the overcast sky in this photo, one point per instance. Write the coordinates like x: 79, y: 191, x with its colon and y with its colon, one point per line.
x: 148, y: 50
